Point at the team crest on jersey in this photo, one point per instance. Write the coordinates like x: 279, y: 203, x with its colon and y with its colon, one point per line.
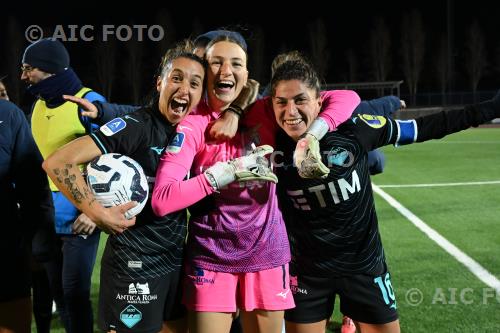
x: 373, y: 121
x: 113, y: 126
x: 175, y: 145
x: 339, y: 156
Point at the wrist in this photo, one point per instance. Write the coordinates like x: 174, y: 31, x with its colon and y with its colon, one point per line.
x: 96, y: 212
x: 211, y: 180
x: 99, y: 110
x: 318, y: 128
x: 220, y: 175
x: 235, y: 110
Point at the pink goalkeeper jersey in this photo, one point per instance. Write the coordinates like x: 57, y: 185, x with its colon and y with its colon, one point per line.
x: 240, y: 228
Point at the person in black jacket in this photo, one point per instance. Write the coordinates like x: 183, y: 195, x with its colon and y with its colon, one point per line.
x: 27, y: 213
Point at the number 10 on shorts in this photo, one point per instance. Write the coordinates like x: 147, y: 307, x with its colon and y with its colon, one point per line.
x: 386, y: 290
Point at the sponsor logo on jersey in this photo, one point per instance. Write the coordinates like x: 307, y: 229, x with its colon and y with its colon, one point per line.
x: 326, y: 191
x: 138, y: 293
x: 373, y: 121
x: 340, y: 157
x: 157, y: 150
x: 114, y: 126
x: 134, y: 264
x: 131, y: 118
x: 130, y: 316
x: 198, y: 277
x: 182, y: 128
x: 138, y: 288
x: 175, y: 145
x: 198, y: 271
x: 294, y: 286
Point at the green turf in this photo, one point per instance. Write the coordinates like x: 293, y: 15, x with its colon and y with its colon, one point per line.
x: 468, y: 216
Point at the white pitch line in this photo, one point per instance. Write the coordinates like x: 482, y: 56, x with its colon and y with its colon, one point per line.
x: 490, y: 182
x: 479, y: 271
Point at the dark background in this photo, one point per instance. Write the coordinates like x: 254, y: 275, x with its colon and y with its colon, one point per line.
x: 345, y: 28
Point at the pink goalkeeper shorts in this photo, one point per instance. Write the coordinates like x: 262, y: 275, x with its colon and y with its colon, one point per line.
x: 208, y: 291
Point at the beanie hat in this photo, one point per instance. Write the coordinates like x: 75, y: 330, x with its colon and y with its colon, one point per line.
x: 49, y: 55
x: 208, y: 36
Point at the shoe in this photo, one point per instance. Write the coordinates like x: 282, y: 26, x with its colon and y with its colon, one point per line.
x: 347, y: 325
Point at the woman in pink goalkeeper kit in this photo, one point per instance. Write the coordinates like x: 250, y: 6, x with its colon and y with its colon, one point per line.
x: 237, y: 251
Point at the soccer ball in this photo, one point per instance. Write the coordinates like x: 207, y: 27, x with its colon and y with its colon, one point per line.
x: 116, y: 179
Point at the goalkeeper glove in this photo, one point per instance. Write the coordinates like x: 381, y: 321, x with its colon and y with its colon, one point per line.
x: 253, y: 166
x: 307, y: 155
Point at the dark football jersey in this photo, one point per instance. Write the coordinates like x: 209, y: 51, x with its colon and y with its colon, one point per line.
x: 331, y: 222
x: 154, y: 245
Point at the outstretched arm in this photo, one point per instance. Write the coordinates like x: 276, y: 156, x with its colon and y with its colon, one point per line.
x: 62, y: 168
x: 383, y: 106
x: 376, y: 131
x: 440, y: 124
x: 100, y: 112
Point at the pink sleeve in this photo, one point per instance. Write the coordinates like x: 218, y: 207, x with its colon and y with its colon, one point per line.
x: 338, y: 106
x: 171, y: 192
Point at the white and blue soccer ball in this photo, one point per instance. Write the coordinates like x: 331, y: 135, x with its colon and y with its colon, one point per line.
x: 115, y: 179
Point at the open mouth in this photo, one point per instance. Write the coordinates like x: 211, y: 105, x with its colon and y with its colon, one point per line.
x: 178, y: 105
x: 224, y: 86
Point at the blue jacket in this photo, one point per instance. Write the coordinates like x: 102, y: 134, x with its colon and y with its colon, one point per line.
x: 383, y: 106
x: 25, y: 197
x: 110, y: 111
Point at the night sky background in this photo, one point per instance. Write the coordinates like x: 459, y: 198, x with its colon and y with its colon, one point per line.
x: 269, y: 28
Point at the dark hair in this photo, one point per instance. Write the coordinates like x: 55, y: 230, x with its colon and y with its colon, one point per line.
x: 284, y: 57
x: 293, y: 66
x: 183, y: 49
x: 228, y: 38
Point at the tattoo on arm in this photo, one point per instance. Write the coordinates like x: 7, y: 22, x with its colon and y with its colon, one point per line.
x: 69, y: 179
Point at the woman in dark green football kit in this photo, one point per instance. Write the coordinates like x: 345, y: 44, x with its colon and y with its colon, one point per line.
x: 331, y: 222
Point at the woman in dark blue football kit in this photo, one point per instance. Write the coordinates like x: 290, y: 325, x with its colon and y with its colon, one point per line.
x: 331, y: 222
x: 140, y: 267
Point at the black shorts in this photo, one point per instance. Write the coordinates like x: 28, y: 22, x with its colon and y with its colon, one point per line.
x: 139, y: 305
x: 365, y: 298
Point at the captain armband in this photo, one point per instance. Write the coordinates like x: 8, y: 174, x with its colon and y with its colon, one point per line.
x: 407, y: 132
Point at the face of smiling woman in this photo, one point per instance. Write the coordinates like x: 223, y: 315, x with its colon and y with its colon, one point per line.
x: 227, y: 73
x: 180, y: 88
x: 295, y: 107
